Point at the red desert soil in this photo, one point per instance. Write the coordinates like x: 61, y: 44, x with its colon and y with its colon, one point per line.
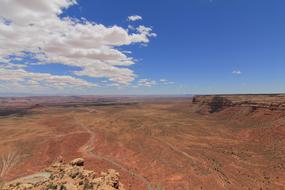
x: 210, y: 142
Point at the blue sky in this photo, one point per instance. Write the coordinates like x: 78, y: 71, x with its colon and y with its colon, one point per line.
x: 195, y: 47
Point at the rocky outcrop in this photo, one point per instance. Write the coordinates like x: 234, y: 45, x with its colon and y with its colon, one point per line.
x: 214, y: 103
x: 72, y: 176
x: 217, y: 103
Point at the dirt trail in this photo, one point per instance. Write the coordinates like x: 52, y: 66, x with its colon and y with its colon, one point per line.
x: 87, y: 150
x: 223, y: 177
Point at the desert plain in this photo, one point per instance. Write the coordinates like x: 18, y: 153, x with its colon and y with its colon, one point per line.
x: 207, y: 142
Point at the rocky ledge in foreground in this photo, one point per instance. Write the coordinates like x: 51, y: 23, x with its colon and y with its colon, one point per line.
x: 72, y: 176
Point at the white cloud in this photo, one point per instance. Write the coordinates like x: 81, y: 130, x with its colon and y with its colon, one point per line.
x: 36, y: 28
x: 17, y: 79
x: 236, y: 72
x: 134, y: 18
x: 146, y: 82
x: 131, y: 27
x: 150, y: 83
x: 165, y: 82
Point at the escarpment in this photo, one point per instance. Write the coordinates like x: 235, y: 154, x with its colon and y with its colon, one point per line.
x: 217, y: 103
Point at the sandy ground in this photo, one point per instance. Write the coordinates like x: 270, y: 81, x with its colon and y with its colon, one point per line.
x: 153, y: 144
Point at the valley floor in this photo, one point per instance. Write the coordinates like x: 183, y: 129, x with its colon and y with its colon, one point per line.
x: 162, y: 144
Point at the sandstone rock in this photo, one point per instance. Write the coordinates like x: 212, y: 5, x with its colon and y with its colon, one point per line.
x: 77, y: 162
x: 70, y: 176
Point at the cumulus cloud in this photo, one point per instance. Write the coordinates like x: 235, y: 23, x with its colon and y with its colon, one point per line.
x: 36, y: 28
x: 236, y: 72
x: 134, y: 18
x: 22, y: 80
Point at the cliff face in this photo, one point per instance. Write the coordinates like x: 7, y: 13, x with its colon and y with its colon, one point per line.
x: 217, y: 103
x: 72, y: 176
x: 254, y: 102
